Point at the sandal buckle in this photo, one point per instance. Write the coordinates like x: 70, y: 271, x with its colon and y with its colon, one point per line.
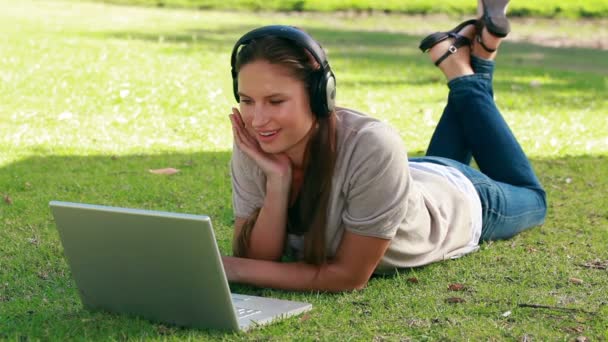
x: 452, y: 49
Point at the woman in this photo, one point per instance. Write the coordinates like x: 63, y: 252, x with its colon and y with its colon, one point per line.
x: 333, y: 188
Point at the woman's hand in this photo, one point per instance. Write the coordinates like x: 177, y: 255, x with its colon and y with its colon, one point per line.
x: 276, y: 167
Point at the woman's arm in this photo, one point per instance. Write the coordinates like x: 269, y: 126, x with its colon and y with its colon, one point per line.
x: 267, y: 238
x: 354, y: 263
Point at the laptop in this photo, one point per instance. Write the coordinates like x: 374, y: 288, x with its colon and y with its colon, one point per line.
x: 165, y: 267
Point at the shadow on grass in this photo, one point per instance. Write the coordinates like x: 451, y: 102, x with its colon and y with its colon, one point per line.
x: 38, y: 295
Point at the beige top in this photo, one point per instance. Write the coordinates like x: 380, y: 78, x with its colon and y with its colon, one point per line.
x: 375, y: 193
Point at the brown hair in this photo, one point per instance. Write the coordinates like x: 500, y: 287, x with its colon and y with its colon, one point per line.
x: 308, y: 214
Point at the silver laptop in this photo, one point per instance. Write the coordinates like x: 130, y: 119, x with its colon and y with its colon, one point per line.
x: 162, y: 266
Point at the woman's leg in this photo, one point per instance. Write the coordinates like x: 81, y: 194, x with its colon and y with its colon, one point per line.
x: 472, y: 116
x: 448, y: 139
x: 471, y: 126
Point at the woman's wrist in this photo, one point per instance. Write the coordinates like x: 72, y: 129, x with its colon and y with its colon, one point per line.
x: 278, y: 184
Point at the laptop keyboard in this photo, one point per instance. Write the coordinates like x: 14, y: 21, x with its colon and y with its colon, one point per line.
x: 242, y: 312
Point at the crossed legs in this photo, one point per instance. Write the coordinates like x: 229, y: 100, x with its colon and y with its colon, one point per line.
x: 472, y: 127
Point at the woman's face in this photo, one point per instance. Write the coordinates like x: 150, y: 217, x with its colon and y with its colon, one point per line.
x: 275, y: 108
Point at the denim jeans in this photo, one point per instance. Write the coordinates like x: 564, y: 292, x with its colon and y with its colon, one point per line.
x: 471, y: 126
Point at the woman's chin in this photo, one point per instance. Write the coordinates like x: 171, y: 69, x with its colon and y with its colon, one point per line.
x: 271, y: 148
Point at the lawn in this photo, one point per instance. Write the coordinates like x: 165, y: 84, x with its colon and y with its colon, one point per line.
x: 93, y: 96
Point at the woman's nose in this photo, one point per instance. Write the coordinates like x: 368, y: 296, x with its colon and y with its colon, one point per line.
x: 259, y: 117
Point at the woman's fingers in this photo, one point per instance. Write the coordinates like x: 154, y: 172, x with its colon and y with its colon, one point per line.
x: 244, y: 140
x: 242, y: 128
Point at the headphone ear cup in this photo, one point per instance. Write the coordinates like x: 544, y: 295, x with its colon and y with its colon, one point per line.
x: 323, y: 95
x: 330, y: 91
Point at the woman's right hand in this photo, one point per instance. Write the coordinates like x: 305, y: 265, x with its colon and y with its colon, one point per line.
x: 277, y: 167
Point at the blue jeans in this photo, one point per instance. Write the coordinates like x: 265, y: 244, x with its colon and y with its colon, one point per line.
x: 471, y: 126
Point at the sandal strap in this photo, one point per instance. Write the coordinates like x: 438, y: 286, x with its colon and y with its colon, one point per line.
x: 459, y: 42
x: 483, y: 45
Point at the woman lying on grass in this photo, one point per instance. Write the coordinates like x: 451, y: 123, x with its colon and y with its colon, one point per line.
x: 334, y: 189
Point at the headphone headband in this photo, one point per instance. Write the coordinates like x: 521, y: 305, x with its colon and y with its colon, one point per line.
x: 324, y: 86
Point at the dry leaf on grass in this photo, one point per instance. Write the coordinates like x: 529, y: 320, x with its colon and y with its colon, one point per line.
x: 597, y: 264
x: 413, y: 280
x: 531, y: 249
x: 166, y: 171
x: 576, y: 330
x: 456, y: 287
x: 8, y: 200
x: 576, y: 281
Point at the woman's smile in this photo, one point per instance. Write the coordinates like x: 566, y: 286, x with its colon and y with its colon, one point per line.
x: 267, y: 137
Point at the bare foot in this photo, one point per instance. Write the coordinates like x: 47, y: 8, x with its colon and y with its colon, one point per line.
x: 458, y: 63
x: 490, y: 41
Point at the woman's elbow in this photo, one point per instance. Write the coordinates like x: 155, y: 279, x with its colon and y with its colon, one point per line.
x: 359, y: 286
x: 351, y: 283
x: 350, y: 287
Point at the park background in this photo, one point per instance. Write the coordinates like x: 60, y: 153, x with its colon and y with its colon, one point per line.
x: 95, y: 95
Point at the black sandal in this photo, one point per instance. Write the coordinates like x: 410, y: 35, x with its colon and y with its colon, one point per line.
x: 459, y: 42
x: 494, y: 18
x: 482, y: 44
x: 433, y: 39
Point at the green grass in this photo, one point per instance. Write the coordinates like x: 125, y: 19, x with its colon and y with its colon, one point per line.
x: 92, y: 96
x: 539, y: 8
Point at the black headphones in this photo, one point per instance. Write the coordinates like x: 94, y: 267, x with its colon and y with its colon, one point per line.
x: 323, y: 83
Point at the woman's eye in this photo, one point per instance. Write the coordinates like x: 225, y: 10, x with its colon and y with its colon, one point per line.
x: 245, y: 101
x: 276, y: 102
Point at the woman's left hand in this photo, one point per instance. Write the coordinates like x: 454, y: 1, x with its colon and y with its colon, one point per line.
x: 276, y: 166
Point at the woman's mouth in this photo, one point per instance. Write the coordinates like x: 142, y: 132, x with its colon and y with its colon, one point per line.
x: 267, y: 136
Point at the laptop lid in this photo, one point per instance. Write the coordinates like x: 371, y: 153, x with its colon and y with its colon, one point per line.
x: 158, y: 265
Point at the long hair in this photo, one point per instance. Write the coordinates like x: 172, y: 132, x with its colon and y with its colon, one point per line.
x: 307, y: 215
